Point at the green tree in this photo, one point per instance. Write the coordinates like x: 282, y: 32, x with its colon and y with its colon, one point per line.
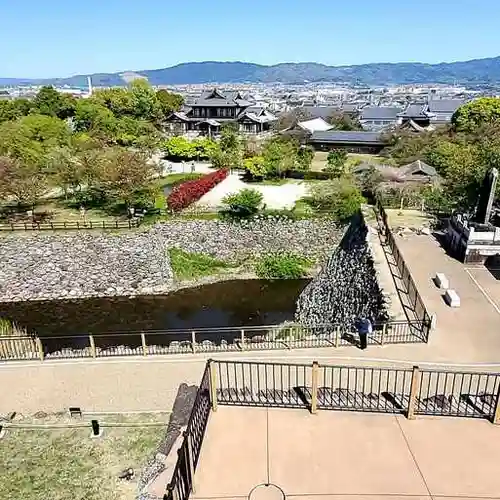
x: 343, y: 121
x: 180, y: 148
x: 280, y: 156
x: 339, y: 196
x: 245, y: 203
x: 24, y: 183
x: 476, y: 113
x: 231, y: 145
x: 50, y: 102
x: 305, y: 156
x: 336, y: 161
x: 92, y: 117
x: 117, y: 99
x: 126, y: 177
x: 145, y: 105
x: 255, y: 167
x: 29, y: 138
x: 169, y: 101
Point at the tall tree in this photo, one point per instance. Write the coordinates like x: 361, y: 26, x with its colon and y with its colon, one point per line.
x: 50, y: 102
x: 169, y: 101
x: 477, y: 113
x: 24, y: 183
x: 343, y: 121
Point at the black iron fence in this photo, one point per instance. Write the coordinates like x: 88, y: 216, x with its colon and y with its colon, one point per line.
x: 408, y: 391
x: 416, y: 301
x: 204, y: 340
x: 181, y: 484
x: 78, y: 225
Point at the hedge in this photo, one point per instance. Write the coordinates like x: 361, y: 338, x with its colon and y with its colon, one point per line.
x: 310, y: 175
x: 188, y: 192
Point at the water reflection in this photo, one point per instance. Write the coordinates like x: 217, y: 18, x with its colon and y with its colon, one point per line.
x: 230, y: 303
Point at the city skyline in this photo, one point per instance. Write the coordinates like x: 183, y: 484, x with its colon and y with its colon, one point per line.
x: 61, y: 40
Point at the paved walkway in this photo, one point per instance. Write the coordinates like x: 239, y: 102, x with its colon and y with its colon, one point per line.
x: 340, y: 455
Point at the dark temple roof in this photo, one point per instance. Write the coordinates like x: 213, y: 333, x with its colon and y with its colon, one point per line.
x: 333, y: 136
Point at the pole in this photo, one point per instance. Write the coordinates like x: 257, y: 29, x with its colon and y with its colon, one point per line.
x: 412, y: 403
x: 213, y: 385
x: 314, y: 387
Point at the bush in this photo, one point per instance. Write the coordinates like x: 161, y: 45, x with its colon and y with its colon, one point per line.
x: 245, y: 203
x: 188, y: 192
x: 281, y: 266
x: 310, y: 175
x: 190, y: 265
x: 339, y: 196
x: 182, y: 149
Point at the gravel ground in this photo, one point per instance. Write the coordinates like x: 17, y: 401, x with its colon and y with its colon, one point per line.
x: 275, y: 197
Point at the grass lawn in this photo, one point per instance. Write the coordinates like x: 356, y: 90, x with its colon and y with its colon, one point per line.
x: 64, y: 464
x: 353, y: 159
x: 174, y: 179
x: 187, y: 266
x: 407, y: 218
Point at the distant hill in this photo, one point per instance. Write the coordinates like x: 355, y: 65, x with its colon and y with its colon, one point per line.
x: 467, y: 72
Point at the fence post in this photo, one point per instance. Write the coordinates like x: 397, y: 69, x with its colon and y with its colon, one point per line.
x: 144, y: 345
x: 314, y: 387
x: 92, y: 346
x: 213, y: 384
x: 242, y: 340
x: 193, y: 341
x: 39, y: 346
x: 496, y: 414
x: 190, y: 460
x: 337, y: 336
x: 384, y: 331
x: 412, y: 403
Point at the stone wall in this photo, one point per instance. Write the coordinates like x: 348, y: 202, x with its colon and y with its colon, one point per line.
x: 41, y: 266
x: 232, y: 241
x: 347, y: 287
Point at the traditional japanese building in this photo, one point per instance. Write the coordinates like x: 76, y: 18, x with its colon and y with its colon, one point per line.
x: 214, y: 108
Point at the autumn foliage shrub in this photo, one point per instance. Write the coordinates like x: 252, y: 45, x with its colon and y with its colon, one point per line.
x: 188, y: 192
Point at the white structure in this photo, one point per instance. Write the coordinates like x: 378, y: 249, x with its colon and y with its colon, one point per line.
x: 442, y: 281
x: 452, y: 298
x: 315, y: 125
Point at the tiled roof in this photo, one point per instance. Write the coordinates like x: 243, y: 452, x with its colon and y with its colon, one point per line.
x: 379, y: 113
x: 445, y: 105
x: 414, y: 111
x: 321, y: 111
x: 347, y: 137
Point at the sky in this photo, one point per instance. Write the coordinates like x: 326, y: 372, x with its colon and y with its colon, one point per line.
x: 55, y: 38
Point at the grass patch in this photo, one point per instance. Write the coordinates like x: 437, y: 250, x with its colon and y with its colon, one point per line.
x: 188, y: 265
x: 281, y: 266
x: 62, y: 464
x: 269, y: 182
x: 172, y: 180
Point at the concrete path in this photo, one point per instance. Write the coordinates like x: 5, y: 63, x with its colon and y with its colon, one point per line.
x: 340, y: 455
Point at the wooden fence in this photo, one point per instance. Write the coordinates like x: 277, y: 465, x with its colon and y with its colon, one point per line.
x: 74, y: 225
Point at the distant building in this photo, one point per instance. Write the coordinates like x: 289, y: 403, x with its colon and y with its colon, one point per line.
x: 379, y: 117
x: 354, y: 142
x: 440, y: 111
x: 207, y: 114
x: 425, y: 116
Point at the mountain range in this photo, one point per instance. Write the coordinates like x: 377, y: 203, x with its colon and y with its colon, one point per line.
x: 477, y: 71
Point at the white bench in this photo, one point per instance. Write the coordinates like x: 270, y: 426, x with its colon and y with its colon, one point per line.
x: 452, y: 298
x: 442, y: 281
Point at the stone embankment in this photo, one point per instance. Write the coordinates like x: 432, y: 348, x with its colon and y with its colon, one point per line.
x: 347, y: 287
x: 314, y: 238
x: 45, y: 266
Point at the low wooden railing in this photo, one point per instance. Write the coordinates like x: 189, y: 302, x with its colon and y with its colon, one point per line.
x: 73, y: 225
x: 204, y: 340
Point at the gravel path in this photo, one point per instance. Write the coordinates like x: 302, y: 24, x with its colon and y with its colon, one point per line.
x: 275, y: 197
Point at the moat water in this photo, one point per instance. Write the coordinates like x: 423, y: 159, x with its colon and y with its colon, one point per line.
x: 225, y: 304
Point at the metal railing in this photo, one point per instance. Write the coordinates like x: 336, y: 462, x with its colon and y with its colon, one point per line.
x: 416, y: 301
x: 204, y: 340
x: 408, y: 391
x: 78, y: 225
x: 182, y: 482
